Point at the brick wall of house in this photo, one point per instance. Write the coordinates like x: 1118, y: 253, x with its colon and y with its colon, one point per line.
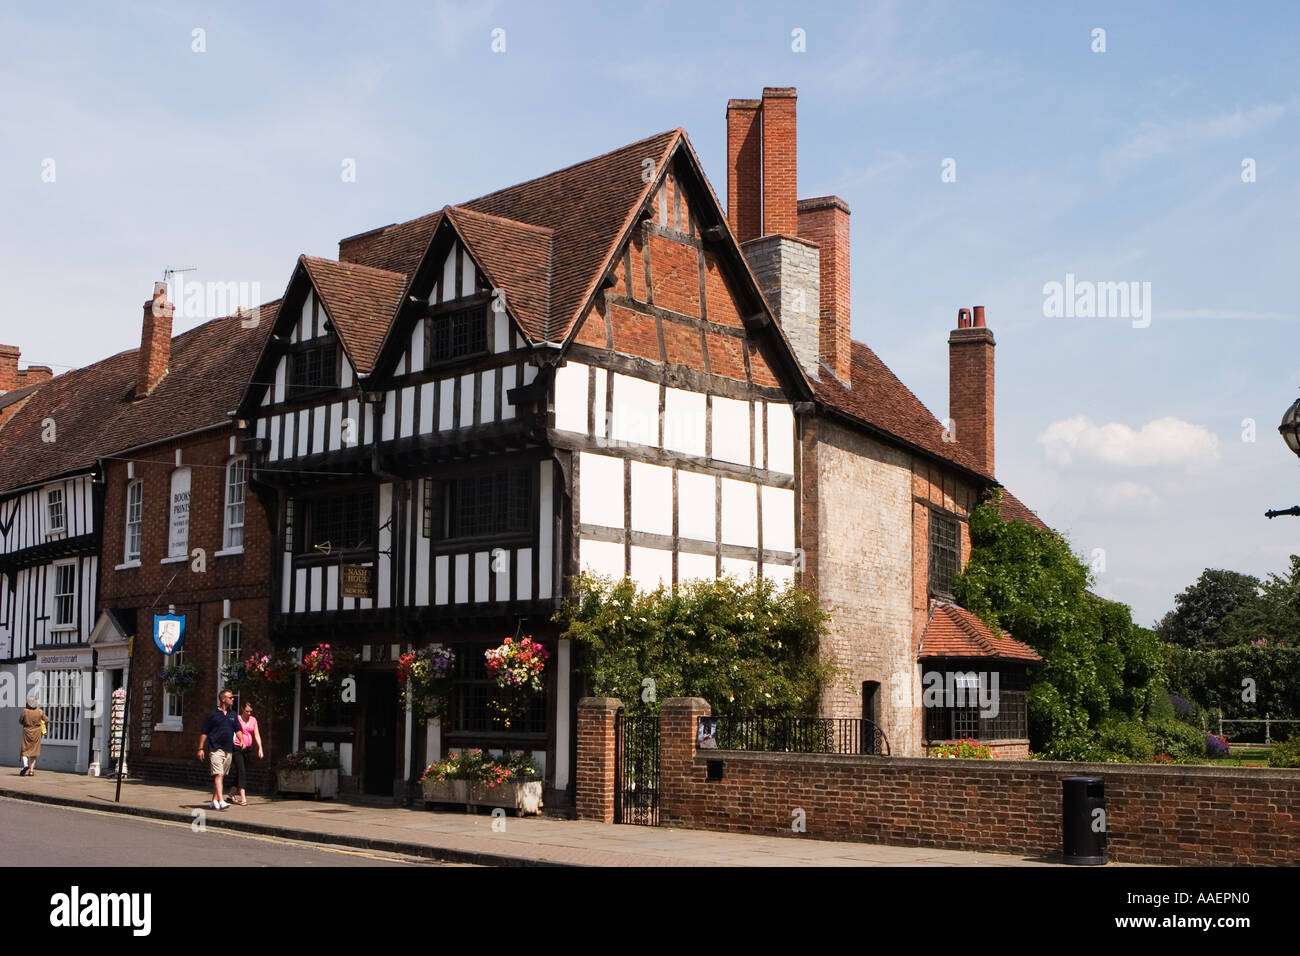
x: 1166, y: 815
x: 864, y: 555
x: 242, y: 579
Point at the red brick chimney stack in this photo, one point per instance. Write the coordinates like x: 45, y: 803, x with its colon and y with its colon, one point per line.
x: 34, y: 375
x: 780, y: 162
x: 155, y: 341
x: 826, y: 222
x: 9, y: 376
x: 970, y: 386
x: 744, y: 168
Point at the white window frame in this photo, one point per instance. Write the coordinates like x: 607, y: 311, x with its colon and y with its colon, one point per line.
x: 70, y: 596
x: 228, y: 524
x: 60, y: 700
x: 224, y: 655
x: 62, y: 526
x: 172, y: 701
x: 129, y: 559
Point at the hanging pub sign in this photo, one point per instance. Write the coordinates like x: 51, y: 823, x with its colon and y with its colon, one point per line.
x: 169, y: 632
x: 357, y: 580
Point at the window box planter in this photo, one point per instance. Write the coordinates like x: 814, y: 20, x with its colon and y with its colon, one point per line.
x: 447, y: 791
x: 524, y: 797
x: 318, y: 783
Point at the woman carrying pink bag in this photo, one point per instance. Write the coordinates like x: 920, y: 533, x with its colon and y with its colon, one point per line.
x: 245, y: 738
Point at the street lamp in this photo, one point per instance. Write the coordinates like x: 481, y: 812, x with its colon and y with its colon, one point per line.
x: 1290, y: 432
x: 1290, y: 427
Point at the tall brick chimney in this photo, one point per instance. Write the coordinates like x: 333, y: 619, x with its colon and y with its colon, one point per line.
x: 155, y: 341
x: 744, y: 168
x: 780, y: 162
x: 826, y: 222
x: 9, y: 377
x: 970, y: 386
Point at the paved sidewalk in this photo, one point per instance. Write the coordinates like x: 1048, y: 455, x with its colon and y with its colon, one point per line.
x: 455, y: 836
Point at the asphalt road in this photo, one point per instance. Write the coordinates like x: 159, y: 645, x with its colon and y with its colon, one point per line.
x: 33, y: 834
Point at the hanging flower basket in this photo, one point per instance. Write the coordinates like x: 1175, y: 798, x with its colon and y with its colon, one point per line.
x: 517, y: 667
x: 424, y: 678
x: 178, y: 679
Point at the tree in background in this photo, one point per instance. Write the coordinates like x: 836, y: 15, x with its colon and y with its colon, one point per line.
x: 1101, y: 674
x: 746, y: 647
x: 1202, y: 610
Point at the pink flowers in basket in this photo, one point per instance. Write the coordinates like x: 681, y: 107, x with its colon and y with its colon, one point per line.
x: 517, y: 665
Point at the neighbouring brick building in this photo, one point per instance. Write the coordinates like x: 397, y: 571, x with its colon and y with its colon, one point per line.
x: 185, y: 532
x: 93, y: 464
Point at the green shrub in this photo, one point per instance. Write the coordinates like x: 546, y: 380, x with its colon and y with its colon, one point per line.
x: 1286, y: 755
x: 1127, y: 739
x: 1171, y: 736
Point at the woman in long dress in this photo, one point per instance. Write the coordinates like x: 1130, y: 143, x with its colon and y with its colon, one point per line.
x: 31, y: 718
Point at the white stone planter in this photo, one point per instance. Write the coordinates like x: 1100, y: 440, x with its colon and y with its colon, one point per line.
x: 524, y: 797
x: 317, y: 783
x: 446, y: 791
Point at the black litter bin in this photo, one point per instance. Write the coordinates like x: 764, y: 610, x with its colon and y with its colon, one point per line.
x: 1083, y: 827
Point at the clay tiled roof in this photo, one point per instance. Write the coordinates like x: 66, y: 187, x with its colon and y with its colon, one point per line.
x: 587, y: 207
x: 880, y: 400
x: 955, y: 632
x: 515, y: 257
x: 96, y: 415
x: 75, y: 409
x: 1013, y: 509
x: 361, y: 301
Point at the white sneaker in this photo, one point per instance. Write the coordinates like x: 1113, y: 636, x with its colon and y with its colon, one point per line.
x: 214, y: 805
x: 222, y: 805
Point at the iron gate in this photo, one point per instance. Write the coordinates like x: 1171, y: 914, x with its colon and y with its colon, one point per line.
x: 636, y: 769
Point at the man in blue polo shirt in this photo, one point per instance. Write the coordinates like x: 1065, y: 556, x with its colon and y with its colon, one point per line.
x: 219, y: 729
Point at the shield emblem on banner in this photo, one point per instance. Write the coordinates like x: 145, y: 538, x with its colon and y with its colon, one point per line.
x: 168, y: 632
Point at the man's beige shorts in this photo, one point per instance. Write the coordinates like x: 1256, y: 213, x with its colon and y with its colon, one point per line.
x: 220, y: 761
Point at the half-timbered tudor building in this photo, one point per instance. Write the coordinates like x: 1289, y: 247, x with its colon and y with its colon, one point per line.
x: 51, y: 509
x: 601, y: 369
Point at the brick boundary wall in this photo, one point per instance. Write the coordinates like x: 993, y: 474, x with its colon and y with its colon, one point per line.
x: 595, y: 764
x: 1176, y: 815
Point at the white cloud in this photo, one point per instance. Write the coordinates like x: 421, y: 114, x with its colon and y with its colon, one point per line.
x: 1163, y: 443
x: 1125, y: 496
x: 1155, y: 140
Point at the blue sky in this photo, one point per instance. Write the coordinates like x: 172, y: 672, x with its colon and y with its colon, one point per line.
x: 1115, y: 166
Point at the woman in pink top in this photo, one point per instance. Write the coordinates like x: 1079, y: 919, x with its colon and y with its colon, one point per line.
x: 245, y: 738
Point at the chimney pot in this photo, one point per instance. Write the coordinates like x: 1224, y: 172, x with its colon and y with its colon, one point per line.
x: 979, y: 317
x: 963, y: 318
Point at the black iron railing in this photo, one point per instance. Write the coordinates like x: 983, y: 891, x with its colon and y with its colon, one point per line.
x: 803, y: 735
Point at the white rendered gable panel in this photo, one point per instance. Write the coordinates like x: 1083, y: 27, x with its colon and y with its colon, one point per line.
x: 730, y: 430
x: 697, y: 506
x: 417, y: 348
x: 600, y: 490
x: 685, y: 415
x: 571, y: 398
x: 501, y: 330
x: 507, y: 383
x: 780, y: 439
x: 447, y: 284
x: 739, y: 513
x: 778, y: 519
x: 601, y: 557
x: 652, y: 498
x: 651, y: 567
x: 636, y: 410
